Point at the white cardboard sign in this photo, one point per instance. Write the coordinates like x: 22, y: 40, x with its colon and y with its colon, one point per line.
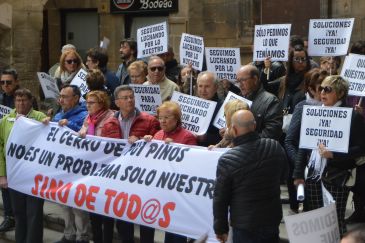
x: 196, y: 112
x: 80, y: 81
x: 152, y: 40
x: 192, y: 51
x: 329, y: 37
x: 271, y: 40
x: 224, y: 62
x: 327, y: 125
x: 219, y: 120
x: 319, y: 225
x: 4, y: 110
x: 353, y: 70
x: 147, y: 97
x: 49, y: 85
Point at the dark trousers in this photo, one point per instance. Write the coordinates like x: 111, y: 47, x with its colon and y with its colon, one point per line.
x: 359, y: 190
x: 8, y: 211
x: 268, y: 234
x: 28, y: 214
x: 102, y: 228
x: 174, y: 238
x: 126, y: 232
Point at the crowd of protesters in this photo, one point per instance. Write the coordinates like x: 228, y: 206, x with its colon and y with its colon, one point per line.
x: 265, y: 145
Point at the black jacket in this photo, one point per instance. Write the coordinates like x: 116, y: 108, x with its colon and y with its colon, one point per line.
x: 268, y: 113
x: 248, y: 182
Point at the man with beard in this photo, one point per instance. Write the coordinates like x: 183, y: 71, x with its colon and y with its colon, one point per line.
x: 128, y: 54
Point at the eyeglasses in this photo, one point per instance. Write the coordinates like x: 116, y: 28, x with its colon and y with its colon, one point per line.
x: 242, y: 80
x: 125, y: 98
x: 6, y: 82
x: 160, y: 118
x: 159, y: 68
x: 91, y: 102
x: 71, y: 61
x: 299, y: 59
x: 326, y: 89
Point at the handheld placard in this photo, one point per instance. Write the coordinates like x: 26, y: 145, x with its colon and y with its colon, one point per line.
x: 300, y: 192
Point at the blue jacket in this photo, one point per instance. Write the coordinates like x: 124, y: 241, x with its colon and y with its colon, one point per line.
x: 75, y: 117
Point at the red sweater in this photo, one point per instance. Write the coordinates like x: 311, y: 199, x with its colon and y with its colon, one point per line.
x: 179, y: 135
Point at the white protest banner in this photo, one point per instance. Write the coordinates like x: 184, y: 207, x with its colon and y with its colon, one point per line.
x: 271, y: 40
x: 327, y: 125
x: 224, y: 62
x: 192, y: 51
x: 164, y: 186
x: 353, y: 70
x: 319, y: 225
x: 80, y: 81
x: 196, y: 112
x: 4, y: 110
x: 148, y: 97
x: 152, y: 40
x: 219, y: 120
x: 329, y: 37
x: 49, y: 85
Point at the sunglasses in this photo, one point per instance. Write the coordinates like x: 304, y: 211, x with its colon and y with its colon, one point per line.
x: 299, y: 59
x: 6, y: 82
x: 159, y: 68
x: 70, y: 61
x: 326, y: 89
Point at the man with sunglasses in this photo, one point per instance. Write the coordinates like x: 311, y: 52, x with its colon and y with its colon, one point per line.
x: 156, y: 76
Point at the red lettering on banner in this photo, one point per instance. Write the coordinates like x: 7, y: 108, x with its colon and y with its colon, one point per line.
x: 134, y: 200
x: 164, y: 223
x: 51, y: 190
x: 90, y: 198
x: 85, y: 196
x: 109, y: 194
x: 119, y: 211
x: 80, y: 194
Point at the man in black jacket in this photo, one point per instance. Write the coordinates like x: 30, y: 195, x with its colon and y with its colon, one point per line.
x: 248, y: 184
x: 266, y: 107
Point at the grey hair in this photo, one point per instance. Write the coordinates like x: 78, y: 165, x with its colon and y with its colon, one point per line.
x: 155, y: 58
x: 68, y: 47
x: 215, y: 80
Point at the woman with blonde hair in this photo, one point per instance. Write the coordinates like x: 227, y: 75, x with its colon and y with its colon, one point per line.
x: 70, y: 64
x: 137, y: 72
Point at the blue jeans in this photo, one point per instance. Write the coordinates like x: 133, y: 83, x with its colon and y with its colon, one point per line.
x: 267, y: 234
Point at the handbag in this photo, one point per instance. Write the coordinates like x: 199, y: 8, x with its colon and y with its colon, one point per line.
x: 336, y: 177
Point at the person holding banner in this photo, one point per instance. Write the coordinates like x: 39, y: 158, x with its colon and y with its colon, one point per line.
x: 247, y: 188
x: 70, y: 64
x: 169, y: 114
x: 28, y: 210
x: 334, y: 90
x: 132, y: 124
x: 265, y: 106
x: 312, y: 81
x: 128, y: 54
x: 156, y: 76
x: 137, y: 72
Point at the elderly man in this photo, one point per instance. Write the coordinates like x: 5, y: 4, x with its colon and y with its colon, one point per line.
x: 248, y: 185
x: 156, y: 75
x: 72, y: 115
x: 134, y: 125
x: 128, y: 54
x: 265, y: 106
x: 28, y: 210
x: 207, y: 85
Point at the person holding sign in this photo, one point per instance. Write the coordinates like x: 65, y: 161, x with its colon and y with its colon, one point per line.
x: 156, y: 75
x: 334, y: 175
x: 312, y: 82
x: 28, y: 210
x: 207, y: 85
x: 248, y: 185
x: 265, y: 106
x: 132, y: 124
x: 70, y: 64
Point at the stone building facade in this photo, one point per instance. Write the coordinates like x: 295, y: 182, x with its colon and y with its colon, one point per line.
x: 32, y: 32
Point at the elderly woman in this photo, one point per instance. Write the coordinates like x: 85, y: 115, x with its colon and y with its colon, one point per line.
x: 312, y: 82
x: 229, y: 109
x: 98, y: 103
x: 334, y: 91
x: 169, y: 115
x: 70, y: 64
x: 137, y: 72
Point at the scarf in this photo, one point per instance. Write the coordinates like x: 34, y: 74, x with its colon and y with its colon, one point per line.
x: 67, y: 77
x: 92, y: 120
